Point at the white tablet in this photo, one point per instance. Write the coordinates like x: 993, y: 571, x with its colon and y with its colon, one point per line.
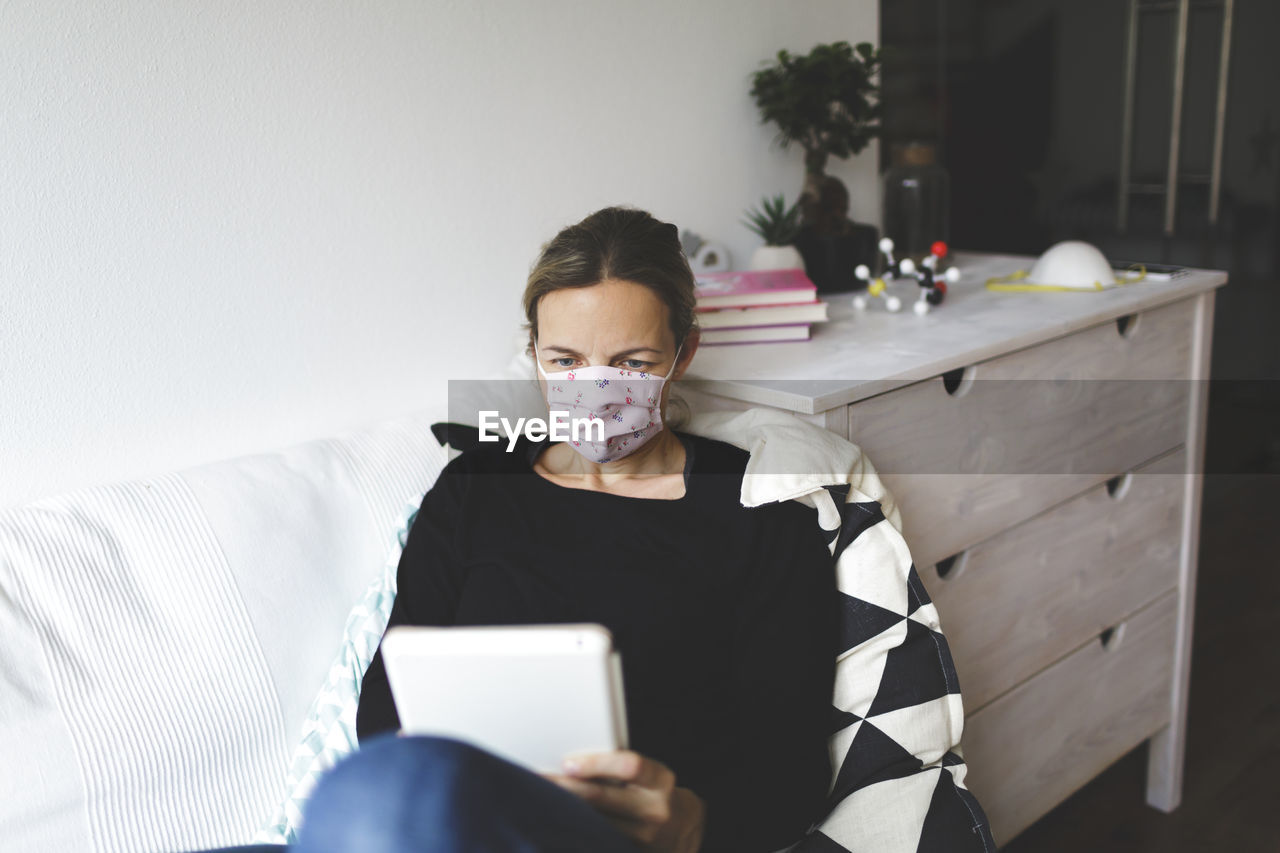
x: 529, y: 693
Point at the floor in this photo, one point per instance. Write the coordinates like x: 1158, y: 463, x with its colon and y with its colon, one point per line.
x: 1231, y: 798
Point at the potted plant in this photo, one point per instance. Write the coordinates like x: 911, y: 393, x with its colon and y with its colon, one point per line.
x: 827, y: 102
x: 777, y: 225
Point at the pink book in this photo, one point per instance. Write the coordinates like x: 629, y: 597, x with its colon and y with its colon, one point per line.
x: 741, y: 288
x: 707, y: 309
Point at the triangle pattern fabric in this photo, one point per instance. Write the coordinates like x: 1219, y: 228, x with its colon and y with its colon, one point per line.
x: 841, y: 719
x: 917, y: 595
x: 916, y: 728
x: 839, y: 492
x: 836, y: 494
x: 896, y: 715
x: 887, y: 817
x: 872, y: 757
x: 837, y: 749
x: 949, y: 807
x: 855, y: 695
x: 818, y: 842
x: 874, y: 569
x: 927, y: 617
x: 861, y: 620
x: 911, y: 672
x: 855, y: 518
x: 954, y: 763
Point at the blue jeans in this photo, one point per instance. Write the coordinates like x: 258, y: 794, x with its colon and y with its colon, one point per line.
x: 438, y: 795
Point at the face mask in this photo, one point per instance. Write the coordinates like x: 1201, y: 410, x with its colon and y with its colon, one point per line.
x: 627, y: 401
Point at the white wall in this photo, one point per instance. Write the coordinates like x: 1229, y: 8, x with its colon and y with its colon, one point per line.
x: 230, y: 225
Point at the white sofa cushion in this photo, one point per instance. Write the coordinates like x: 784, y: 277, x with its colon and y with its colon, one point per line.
x: 329, y: 730
x: 164, y: 638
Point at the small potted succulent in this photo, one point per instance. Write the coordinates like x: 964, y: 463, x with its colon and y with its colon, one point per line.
x: 777, y: 225
x: 823, y: 101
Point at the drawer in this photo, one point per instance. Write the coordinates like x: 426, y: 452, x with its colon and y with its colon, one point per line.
x: 968, y: 455
x: 1015, y: 603
x: 1035, y: 746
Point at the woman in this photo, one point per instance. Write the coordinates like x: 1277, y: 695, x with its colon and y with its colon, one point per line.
x: 725, y: 616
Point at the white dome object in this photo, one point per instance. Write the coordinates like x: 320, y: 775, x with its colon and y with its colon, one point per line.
x: 893, y: 303
x: 860, y: 303
x: 908, y: 266
x: 1074, y: 264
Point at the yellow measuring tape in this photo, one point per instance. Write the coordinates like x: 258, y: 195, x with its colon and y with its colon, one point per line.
x: 1016, y: 283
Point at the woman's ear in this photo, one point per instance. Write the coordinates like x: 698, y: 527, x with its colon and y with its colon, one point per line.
x: 687, y: 349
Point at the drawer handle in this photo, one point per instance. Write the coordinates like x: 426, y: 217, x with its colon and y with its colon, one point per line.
x: 1126, y: 324
x: 1111, y: 637
x: 1118, y: 486
x: 951, y: 567
x: 958, y: 382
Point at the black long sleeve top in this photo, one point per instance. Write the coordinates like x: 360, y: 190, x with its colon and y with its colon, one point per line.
x: 725, y: 616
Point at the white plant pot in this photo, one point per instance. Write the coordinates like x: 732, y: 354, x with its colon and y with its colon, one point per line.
x: 777, y: 258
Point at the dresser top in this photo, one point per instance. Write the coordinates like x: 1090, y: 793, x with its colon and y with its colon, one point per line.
x: 857, y: 354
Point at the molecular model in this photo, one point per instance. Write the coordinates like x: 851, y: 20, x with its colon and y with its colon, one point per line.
x: 933, y: 287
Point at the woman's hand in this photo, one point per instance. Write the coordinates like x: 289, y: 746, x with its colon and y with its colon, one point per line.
x: 639, y: 796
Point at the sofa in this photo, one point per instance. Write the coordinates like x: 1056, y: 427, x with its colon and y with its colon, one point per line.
x: 176, y: 648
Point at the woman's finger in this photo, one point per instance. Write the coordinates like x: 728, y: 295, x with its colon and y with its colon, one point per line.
x: 644, y: 831
x: 622, y: 764
x: 627, y: 801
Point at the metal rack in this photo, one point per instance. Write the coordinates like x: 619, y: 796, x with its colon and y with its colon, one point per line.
x: 1125, y: 185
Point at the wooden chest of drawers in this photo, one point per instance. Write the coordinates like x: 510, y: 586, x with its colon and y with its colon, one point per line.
x: 1045, y: 452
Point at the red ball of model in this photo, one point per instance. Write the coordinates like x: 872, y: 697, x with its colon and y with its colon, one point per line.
x: 938, y: 249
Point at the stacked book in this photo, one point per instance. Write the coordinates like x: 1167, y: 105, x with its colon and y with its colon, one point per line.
x: 750, y: 306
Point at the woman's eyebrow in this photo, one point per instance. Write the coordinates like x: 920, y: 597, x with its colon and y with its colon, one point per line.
x: 571, y: 351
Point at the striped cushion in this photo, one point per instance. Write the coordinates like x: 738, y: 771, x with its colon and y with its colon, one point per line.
x: 152, y: 688
x: 164, y: 638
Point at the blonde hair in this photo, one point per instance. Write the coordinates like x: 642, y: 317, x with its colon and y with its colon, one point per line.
x: 622, y: 243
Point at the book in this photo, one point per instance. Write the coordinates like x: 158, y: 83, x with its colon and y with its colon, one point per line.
x: 743, y: 288
x: 762, y: 315
x: 756, y: 334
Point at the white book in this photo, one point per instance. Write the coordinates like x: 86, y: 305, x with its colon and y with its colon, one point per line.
x: 756, y: 334
x: 736, y: 318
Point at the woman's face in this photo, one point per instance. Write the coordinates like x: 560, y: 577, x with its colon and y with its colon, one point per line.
x: 614, y: 323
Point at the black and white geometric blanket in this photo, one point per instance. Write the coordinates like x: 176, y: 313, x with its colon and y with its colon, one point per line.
x: 896, y: 717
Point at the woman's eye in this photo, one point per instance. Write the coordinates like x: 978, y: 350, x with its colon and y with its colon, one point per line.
x: 634, y: 364
x: 560, y: 362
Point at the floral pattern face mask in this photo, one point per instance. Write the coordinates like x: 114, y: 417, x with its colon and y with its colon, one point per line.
x: 627, y: 401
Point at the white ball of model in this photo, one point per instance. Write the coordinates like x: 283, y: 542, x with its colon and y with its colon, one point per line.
x: 875, y: 287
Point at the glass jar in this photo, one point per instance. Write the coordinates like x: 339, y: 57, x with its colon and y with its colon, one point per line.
x: 917, y: 199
